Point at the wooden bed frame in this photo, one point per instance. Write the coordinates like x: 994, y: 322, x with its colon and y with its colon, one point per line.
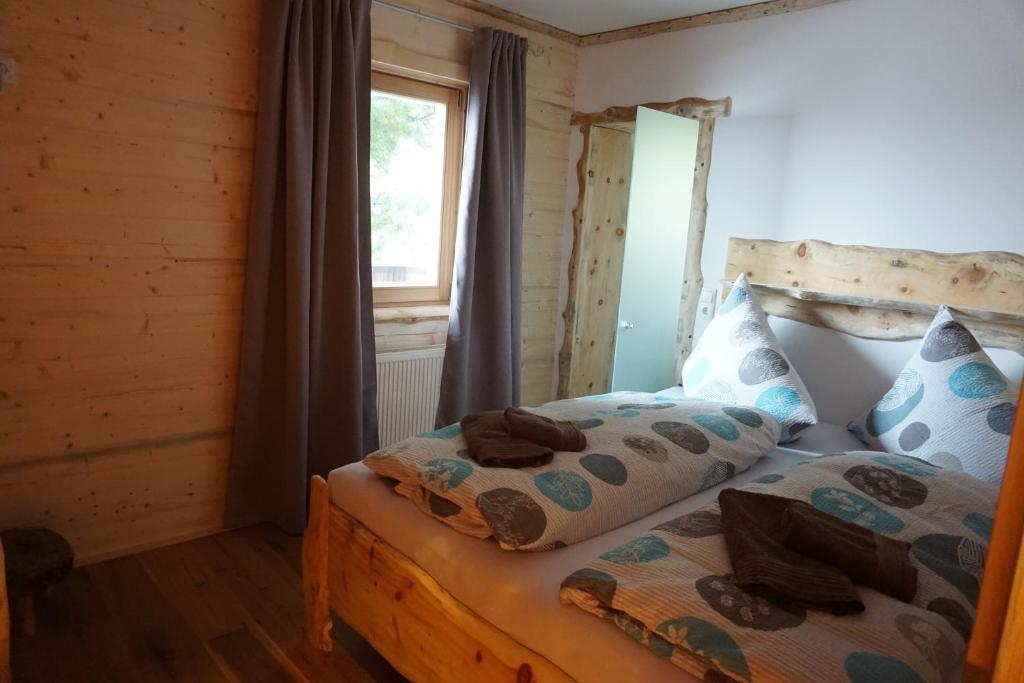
x: 400, y: 609
x: 428, y: 635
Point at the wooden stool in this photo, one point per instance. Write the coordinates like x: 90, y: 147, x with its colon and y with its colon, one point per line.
x: 35, y: 559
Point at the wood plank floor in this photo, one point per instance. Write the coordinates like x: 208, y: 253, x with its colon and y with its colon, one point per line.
x: 222, y: 608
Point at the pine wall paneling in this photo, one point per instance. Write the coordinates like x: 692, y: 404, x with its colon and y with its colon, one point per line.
x: 124, y: 180
x: 125, y: 159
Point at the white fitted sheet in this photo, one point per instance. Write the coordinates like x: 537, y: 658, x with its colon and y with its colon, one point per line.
x: 517, y: 592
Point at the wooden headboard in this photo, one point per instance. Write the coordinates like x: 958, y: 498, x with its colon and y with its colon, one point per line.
x: 881, y: 293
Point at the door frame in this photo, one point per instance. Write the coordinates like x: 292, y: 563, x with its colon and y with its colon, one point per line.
x: 578, y: 354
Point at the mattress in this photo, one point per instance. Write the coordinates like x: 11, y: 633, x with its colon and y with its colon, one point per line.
x: 518, y: 592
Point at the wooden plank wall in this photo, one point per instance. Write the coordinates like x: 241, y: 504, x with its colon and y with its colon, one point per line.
x: 124, y: 182
x: 125, y: 160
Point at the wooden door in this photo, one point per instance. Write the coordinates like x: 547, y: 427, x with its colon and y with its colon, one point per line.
x: 591, y: 319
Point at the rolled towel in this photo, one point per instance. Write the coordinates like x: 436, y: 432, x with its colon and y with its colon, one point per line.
x: 868, y: 558
x: 556, y: 435
x: 491, y: 445
x: 763, y: 565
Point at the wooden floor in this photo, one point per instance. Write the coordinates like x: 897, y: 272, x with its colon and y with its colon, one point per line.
x: 223, y: 608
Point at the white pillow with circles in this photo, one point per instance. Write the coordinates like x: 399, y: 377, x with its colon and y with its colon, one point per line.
x: 950, y: 405
x: 738, y: 360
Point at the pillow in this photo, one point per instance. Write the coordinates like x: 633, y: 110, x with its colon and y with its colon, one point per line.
x: 950, y: 405
x: 739, y: 360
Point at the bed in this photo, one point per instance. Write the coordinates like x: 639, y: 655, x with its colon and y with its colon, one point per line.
x: 502, y: 588
x: 440, y: 605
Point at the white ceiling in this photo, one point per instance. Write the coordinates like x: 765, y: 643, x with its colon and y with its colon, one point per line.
x: 593, y: 16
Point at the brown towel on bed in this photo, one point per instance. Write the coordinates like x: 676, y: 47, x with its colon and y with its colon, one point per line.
x: 543, y: 431
x: 866, y: 557
x: 491, y: 445
x: 763, y: 565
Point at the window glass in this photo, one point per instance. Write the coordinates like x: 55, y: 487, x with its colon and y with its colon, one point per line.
x: 407, y: 172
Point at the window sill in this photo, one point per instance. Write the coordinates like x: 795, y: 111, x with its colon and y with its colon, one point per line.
x: 409, y: 314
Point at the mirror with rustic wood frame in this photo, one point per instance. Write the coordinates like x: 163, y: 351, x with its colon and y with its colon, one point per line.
x: 599, y: 228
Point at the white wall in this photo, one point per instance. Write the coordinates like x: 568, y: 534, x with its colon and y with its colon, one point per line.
x: 884, y: 122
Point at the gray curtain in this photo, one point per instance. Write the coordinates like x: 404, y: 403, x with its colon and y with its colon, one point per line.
x: 481, y: 361
x: 306, y: 385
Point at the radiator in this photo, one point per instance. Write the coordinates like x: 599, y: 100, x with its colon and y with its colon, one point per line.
x: 407, y: 391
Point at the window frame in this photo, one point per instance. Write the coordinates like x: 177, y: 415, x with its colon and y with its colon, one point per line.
x: 455, y: 123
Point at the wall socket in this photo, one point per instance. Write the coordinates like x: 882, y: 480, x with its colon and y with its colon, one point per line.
x: 8, y: 74
x: 706, y: 305
x: 705, y: 311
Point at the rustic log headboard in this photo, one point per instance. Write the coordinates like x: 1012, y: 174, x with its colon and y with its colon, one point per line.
x: 881, y: 293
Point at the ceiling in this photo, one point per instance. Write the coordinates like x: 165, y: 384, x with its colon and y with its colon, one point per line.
x: 593, y: 16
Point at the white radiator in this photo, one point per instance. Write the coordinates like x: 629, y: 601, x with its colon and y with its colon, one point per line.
x: 408, y: 383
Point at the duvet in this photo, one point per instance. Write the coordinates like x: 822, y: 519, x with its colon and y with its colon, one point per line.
x: 642, y: 453
x: 671, y: 589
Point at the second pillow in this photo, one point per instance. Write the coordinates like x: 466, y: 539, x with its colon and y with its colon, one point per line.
x: 739, y: 360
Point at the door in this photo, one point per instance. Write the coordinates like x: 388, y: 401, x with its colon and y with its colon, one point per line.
x: 664, y: 152
x: 590, y: 338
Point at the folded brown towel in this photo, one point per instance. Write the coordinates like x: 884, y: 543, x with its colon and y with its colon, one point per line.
x: 763, y: 565
x: 868, y: 558
x: 491, y: 445
x: 558, y: 436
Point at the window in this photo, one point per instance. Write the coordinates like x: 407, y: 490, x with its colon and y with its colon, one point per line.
x: 416, y: 133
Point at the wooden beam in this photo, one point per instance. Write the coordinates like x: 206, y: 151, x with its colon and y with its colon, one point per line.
x: 983, y: 280
x: 689, y: 107
x: 871, y: 323
x: 314, y: 567
x: 883, y: 293
x: 726, y: 16
x: 928, y: 309
x: 693, y: 277
x: 1001, y: 600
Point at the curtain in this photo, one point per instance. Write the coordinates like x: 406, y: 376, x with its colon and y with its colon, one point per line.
x: 481, y: 361
x: 306, y: 387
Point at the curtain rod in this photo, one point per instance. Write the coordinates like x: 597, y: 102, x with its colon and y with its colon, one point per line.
x: 422, y: 15
x: 535, y: 51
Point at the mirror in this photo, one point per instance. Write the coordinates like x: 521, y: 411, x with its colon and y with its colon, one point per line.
x: 657, y: 221
x: 654, y: 277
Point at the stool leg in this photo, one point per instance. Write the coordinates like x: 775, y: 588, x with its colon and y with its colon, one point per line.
x: 26, y: 615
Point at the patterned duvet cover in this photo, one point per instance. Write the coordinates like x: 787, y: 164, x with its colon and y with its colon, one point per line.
x: 643, y: 452
x: 671, y: 588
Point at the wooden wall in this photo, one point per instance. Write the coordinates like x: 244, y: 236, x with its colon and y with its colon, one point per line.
x: 125, y: 159
x: 124, y: 180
